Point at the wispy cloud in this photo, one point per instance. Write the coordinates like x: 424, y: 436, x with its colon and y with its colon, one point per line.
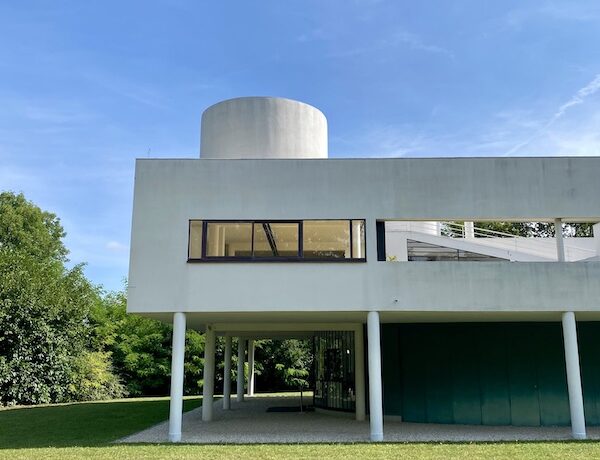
x: 416, y: 43
x: 385, y: 140
x: 573, y: 11
x: 135, y: 91
x: 399, y: 38
x: 115, y: 246
x: 579, y: 98
x: 312, y: 35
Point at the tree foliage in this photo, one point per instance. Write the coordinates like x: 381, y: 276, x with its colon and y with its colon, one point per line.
x: 141, y: 348
x: 44, y: 307
x: 26, y: 229
x: 64, y: 339
x: 284, y: 364
x: 525, y: 229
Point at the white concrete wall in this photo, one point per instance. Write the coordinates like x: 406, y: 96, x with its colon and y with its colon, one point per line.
x: 170, y: 192
x: 263, y: 127
x: 443, y: 286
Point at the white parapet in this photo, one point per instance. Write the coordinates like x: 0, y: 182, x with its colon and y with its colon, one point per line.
x: 263, y: 127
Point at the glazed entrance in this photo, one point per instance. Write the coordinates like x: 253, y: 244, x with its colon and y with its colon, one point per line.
x: 334, y: 363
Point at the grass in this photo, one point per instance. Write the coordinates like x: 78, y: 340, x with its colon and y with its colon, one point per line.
x: 86, y: 430
x: 525, y: 451
x: 82, y: 424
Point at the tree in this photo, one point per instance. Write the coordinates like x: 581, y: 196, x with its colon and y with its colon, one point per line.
x: 285, y: 364
x: 44, y: 309
x: 141, y: 348
x: 525, y: 229
x: 27, y: 229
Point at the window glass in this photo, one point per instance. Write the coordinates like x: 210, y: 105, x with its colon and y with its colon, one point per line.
x: 195, y: 249
x: 228, y: 239
x: 326, y: 239
x: 278, y: 239
x: 358, y: 239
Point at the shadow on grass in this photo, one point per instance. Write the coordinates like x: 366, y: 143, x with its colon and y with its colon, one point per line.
x: 82, y: 424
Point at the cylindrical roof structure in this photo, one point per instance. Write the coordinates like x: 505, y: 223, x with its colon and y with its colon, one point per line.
x: 263, y: 127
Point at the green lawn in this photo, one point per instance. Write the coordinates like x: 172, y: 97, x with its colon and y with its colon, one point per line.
x: 564, y: 451
x: 82, y: 424
x: 86, y: 430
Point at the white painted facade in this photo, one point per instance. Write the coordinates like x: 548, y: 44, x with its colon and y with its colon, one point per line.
x: 265, y: 158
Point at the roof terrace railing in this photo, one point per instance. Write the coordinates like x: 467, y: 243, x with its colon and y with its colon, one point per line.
x: 539, y: 246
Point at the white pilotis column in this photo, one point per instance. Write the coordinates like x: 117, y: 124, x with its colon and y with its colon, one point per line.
x: 250, y: 367
x: 208, y: 388
x: 560, y: 243
x: 469, y: 230
x: 177, y: 358
x: 375, y: 386
x: 359, y: 373
x: 227, y: 375
x: 240, y: 368
x: 571, y: 353
x: 573, y: 375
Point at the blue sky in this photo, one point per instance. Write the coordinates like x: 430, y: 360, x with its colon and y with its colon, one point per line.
x: 88, y: 86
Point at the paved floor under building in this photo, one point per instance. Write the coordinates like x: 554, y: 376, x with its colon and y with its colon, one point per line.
x: 250, y: 423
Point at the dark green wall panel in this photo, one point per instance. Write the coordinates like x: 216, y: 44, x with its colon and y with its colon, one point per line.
x: 589, y: 353
x: 552, y: 375
x: 465, y: 375
x: 493, y: 377
x: 413, y: 377
x: 486, y: 373
x: 438, y: 385
x: 391, y: 369
x: 522, y: 377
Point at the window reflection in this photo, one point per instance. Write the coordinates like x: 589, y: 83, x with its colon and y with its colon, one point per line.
x: 326, y: 239
x: 228, y: 239
x: 195, y: 249
x: 276, y: 239
x: 358, y: 239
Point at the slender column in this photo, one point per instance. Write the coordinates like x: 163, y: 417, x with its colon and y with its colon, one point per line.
x: 208, y: 388
x: 573, y: 375
x: 177, y: 358
x: 571, y: 353
x: 375, y: 386
x: 469, y: 230
x: 560, y: 243
x: 227, y: 375
x: 250, y: 367
x: 240, y: 368
x: 596, y: 233
x: 359, y: 373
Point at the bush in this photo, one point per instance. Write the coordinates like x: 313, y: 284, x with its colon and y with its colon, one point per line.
x: 93, y: 378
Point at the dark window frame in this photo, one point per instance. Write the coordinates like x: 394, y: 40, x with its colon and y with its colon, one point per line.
x: 254, y: 259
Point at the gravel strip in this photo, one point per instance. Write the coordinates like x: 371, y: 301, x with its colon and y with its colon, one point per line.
x: 250, y: 423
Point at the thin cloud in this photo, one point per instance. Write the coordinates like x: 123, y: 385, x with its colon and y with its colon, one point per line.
x: 398, y: 39
x: 131, y: 90
x: 416, y: 43
x: 579, y: 98
x: 115, y: 246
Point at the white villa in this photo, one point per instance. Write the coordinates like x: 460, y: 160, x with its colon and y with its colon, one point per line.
x: 417, y: 314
